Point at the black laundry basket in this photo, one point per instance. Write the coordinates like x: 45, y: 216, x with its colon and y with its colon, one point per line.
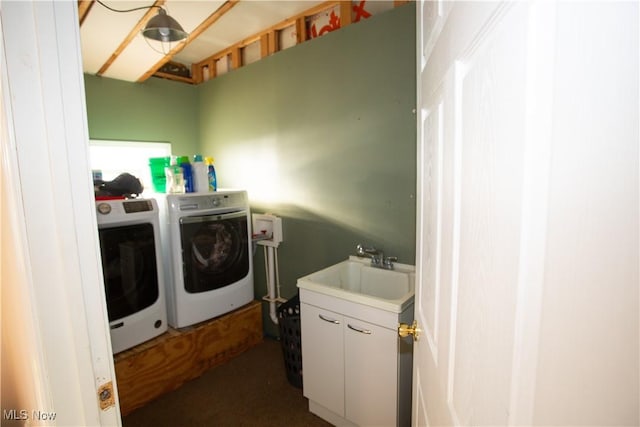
x: 290, y: 339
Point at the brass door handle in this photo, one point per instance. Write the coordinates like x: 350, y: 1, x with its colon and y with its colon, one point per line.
x: 404, y: 330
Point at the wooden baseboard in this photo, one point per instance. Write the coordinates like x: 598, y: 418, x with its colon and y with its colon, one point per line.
x: 163, y: 364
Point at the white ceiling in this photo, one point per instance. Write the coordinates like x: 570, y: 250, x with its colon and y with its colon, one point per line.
x: 102, y: 31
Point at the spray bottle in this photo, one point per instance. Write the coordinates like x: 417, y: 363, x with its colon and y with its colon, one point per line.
x: 211, y: 172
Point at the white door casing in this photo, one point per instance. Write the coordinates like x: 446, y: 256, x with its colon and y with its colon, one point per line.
x: 44, y: 106
x: 514, y: 256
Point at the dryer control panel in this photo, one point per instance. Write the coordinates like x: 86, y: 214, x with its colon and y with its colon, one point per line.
x: 135, y: 206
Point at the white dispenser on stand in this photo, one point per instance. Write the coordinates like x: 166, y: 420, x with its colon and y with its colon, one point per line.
x: 267, y: 232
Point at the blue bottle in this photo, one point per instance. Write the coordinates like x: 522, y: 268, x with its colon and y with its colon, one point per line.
x: 187, y: 172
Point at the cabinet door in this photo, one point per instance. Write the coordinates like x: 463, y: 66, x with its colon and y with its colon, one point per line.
x: 371, y: 373
x: 323, y: 357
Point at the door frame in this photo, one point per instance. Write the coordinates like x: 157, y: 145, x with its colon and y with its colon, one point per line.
x: 45, y: 148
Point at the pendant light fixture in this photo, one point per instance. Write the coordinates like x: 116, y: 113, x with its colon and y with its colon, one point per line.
x: 164, y: 28
x: 161, y: 27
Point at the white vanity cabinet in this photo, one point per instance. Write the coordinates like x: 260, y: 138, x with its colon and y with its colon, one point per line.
x: 356, y: 369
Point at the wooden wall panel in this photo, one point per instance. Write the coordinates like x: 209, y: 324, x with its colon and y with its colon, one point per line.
x: 163, y: 364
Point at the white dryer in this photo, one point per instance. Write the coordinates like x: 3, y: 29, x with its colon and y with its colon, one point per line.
x: 210, y: 255
x: 131, y: 252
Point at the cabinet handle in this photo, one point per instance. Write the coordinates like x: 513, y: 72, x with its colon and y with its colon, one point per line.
x: 328, y: 319
x: 362, y: 331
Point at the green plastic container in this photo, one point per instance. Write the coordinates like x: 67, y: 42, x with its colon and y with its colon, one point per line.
x: 158, y: 177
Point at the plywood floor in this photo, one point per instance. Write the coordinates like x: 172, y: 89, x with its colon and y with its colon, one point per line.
x: 250, y: 390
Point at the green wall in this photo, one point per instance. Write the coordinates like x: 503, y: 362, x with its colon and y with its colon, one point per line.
x: 156, y: 110
x: 322, y: 134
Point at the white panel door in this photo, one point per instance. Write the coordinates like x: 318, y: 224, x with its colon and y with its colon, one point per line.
x: 490, y: 134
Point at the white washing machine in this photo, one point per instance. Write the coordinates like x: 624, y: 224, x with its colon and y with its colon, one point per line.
x: 131, y: 252
x: 209, y: 251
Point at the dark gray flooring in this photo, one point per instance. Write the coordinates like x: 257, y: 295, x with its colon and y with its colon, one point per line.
x: 250, y: 390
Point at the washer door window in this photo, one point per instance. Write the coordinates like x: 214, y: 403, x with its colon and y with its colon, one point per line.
x: 215, y: 250
x: 129, y: 268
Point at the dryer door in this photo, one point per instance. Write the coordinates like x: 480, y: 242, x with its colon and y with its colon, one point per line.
x: 129, y: 268
x: 215, y: 250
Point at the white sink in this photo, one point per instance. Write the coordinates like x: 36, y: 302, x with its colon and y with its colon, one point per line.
x: 356, y: 281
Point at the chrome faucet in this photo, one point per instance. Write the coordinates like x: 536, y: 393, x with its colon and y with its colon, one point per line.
x: 378, y: 259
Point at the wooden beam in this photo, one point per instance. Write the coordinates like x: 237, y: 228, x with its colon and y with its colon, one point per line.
x: 236, y: 58
x: 196, y: 74
x: 84, y: 6
x: 215, y: 16
x: 274, y: 44
x: 213, y: 69
x: 132, y: 34
x: 264, y: 45
x: 345, y: 13
x: 170, y: 76
x: 301, y: 30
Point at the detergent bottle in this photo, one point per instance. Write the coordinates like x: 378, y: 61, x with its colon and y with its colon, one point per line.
x: 174, y: 178
x: 200, y: 175
x: 187, y: 172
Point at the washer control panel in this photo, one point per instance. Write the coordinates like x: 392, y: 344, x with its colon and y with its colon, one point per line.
x: 212, y: 201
